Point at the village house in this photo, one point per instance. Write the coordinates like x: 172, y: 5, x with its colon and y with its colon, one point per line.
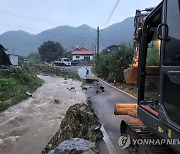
x: 4, y: 59
x: 13, y: 58
x: 82, y: 54
x: 111, y: 49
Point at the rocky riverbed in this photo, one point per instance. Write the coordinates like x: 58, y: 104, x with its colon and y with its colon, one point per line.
x: 27, y: 127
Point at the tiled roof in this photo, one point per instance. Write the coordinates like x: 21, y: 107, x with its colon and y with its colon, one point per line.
x: 81, y: 48
x: 82, y: 52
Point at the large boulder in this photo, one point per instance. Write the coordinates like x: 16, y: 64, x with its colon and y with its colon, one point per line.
x: 75, y: 146
x: 79, y: 122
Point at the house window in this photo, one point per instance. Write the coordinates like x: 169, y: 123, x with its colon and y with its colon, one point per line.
x: 77, y: 57
x: 87, y: 58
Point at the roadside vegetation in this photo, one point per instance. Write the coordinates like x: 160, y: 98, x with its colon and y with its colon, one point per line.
x: 34, y: 58
x: 51, y: 71
x: 152, y: 57
x: 13, y: 86
x: 110, y: 66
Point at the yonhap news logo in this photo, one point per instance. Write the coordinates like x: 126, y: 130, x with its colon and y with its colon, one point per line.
x: 126, y: 141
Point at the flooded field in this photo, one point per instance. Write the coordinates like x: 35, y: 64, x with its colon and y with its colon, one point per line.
x: 28, y: 126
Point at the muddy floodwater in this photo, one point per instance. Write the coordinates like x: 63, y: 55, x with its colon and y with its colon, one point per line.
x: 28, y: 126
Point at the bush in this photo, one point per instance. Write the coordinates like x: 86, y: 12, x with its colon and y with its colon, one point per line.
x: 152, y: 57
x: 34, y: 58
x: 110, y: 77
x: 49, y: 70
x: 112, y: 65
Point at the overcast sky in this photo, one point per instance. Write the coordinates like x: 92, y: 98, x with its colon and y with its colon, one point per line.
x: 34, y: 16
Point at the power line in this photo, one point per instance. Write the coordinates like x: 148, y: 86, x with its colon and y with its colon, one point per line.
x: 27, y: 17
x: 3, y: 23
x: 33, y: 19
x: 110, y: 16
x: 112, y: 12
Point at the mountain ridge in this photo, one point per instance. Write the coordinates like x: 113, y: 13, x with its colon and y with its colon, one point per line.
x: 24, y: 43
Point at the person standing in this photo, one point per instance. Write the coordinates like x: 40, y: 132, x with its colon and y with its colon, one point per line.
x: 87, y: 72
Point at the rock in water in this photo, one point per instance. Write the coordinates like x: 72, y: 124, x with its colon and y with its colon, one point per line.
x: 28, y: 94
x: 56, y: 101
x: 72, y: 89
x: 79, y: 122
x: 75, y: 146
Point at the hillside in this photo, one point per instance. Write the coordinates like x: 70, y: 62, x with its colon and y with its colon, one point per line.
x: 118, y: 33
x: 24, y: 43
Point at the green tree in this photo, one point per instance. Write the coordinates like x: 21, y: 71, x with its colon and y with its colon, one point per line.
x: 112, y: 65
x: 67, y: 54
x: 120, y: 60
x: 100, y: 65
x: 152, y: 57
x: 50, y: 51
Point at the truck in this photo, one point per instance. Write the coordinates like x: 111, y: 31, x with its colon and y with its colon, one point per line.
x: 157, y: 115
x: 63, y: 62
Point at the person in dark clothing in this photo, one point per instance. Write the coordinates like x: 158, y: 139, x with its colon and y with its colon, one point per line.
x: 4, y: 59
x: 87, y: 72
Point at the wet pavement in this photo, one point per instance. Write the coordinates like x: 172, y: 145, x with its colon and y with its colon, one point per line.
x: 103, y: 105
x: 82, y: 72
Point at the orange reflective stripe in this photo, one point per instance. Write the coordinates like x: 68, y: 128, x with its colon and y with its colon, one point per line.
x: 147, y: 108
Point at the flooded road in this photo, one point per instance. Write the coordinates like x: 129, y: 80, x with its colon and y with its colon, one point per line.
x: 27, y: 127
x: 82, y: 72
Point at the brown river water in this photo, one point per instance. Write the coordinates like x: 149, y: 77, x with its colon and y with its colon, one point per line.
x: 27, y: 127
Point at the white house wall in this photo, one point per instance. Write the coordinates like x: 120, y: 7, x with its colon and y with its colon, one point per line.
x: 14, y: 59
x: 81, y: 57
x: 91, y: 57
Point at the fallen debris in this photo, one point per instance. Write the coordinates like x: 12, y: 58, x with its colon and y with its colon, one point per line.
x: 84, y: 88
x: 74, y: 146
x: 28, y: 94
x: 79, y: 122
x: 99, y: 87
x: 65, y: 82
x: 57, y: 101
x: 73, y: 89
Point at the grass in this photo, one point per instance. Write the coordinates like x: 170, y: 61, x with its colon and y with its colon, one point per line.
x: 14, y: 85
x: 49, y: 70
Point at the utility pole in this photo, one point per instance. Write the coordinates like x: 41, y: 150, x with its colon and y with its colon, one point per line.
x: 97, y: 40
x: 95, y: 49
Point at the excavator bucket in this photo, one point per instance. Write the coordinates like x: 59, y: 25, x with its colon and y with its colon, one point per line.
x: 130, y: 74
